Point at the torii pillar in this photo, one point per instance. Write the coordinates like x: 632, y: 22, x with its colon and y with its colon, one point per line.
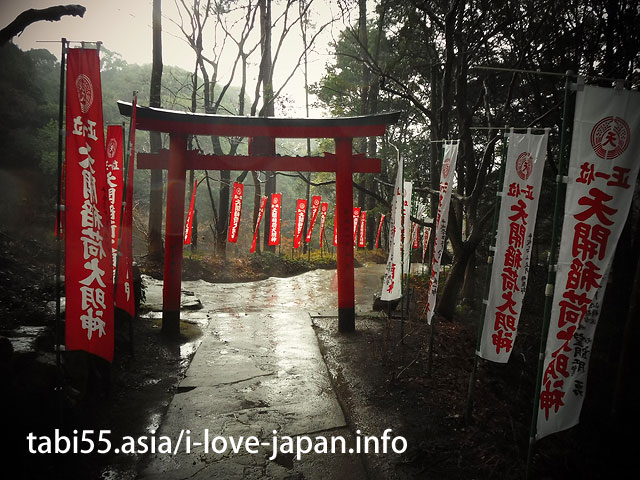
x: 179, y: 125
x: 344, y: 214
x: 173, y: 236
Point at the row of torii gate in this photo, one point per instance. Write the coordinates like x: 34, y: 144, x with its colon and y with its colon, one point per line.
x: 263, y: 132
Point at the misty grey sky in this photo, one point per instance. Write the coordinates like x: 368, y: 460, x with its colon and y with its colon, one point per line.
x: 124, y: 26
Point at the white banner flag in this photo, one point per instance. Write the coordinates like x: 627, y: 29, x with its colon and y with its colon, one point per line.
x: 604, y: 162
x: 391, y: 283
x: 518, y: 210
x: 439, y: 240
x: 406, y: 232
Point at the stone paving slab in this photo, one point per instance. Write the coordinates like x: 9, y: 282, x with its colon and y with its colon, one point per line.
x: 254, y: 373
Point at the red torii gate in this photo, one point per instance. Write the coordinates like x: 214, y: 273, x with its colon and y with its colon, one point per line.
x: 263, y: 131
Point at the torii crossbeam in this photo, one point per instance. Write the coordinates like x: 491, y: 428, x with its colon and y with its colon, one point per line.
x: 263, y: 131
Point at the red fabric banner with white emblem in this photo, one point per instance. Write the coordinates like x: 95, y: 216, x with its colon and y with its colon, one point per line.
x: 88, y: 260
x: 356, y: 221
x: 124, y: 283
x: 315, y: 208
x: 115, y: 180
x: 274, y: 227
x: 363, y: 229
x: 189, y: 223
x: 603, y: 168
x: 526, y: 156
x: 301, y: 209
x: 263, y: 204
x: 425, y: 242
x: 324, y: 208
x: 236, y: 210
x: 379, y: 230
x: 415, y: 235
x: 449, y: 158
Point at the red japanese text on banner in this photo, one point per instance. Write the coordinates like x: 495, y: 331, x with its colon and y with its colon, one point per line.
x: 124, y: 283
x: 526, y: 156
x: 263, y: 204
x: 603, y: 168
x: 324, y: 208
x: 379, y: 230
x: 88, y: 260
x: 406, y: 210
x: 356, y: 221
x: 315, y: 207
x: 115, y: 180
x: 189, y: 223
x: 363, y: 229
x: 236, y: 210
x: 425, y: 242
x: 391, y: 285
x: 301, y: 209
x: 440, y: 238
x: 274, y: 227
x: 415, y: 235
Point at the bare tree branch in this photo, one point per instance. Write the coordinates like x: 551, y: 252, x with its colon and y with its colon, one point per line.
x: 26, y: 18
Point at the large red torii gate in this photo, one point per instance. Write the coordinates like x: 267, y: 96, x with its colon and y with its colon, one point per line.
x: 263, y: 131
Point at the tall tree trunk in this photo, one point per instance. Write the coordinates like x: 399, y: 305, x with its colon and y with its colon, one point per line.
x: 303, y: 31
x: 156, y: 184
x: 256, y: 206
x: 268, y: 107
x: 223, y: 212
x: 372, y: 147
x: 363, y: 40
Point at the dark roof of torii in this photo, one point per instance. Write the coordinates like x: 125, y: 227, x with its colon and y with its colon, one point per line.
x: 173, y: 121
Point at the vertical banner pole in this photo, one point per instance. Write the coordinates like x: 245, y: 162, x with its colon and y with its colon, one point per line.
x: 58, y: 320
x: 551, y: 276
x: 407, y: 288
x: 494, y: 227
x: 61, y: 133
x: 126, y: 154
x: 401, y: 159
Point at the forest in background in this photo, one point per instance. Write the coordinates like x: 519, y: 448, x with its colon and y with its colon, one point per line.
x: 424, y: 59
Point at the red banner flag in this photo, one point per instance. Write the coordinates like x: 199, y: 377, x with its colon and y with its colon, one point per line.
x: 315, y: 207
x: 363, y: 228
x: 236, y: 209
x: 115, y: 180
x: 324, y: 207
x: 124, y: 282
x: 263, y: 204
x: 416, y: 236
x: 301, y: 208
x: 274, y: 228
x: 88, y: 277
x: 379, y: 230
x: 356, y: 220
x: 425, y: 241
x: 189, y: 224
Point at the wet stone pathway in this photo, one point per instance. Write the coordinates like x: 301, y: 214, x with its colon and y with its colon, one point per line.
x: 257, y: 369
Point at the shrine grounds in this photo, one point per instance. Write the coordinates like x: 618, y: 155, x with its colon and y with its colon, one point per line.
x: 381, y: 380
